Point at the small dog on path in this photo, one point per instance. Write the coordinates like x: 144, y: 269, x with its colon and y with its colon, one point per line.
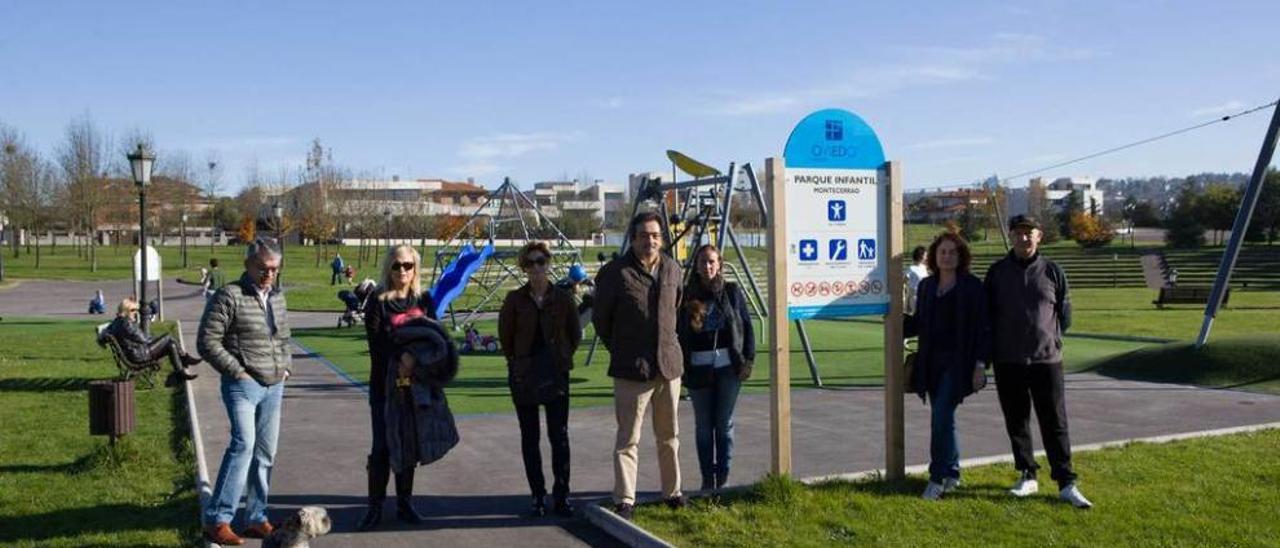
x: 310, y: 522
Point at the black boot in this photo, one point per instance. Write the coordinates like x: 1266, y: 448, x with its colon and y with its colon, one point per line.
x: 562, y: 507
x: 539, y: 507
x: 404, y: 499
x: 189, y: 360
x: 378, y: 475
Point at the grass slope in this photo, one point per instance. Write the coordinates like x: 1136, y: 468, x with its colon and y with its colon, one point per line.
x: 1251, y: 362
x: 61, y: 487
x: 1204, y: 492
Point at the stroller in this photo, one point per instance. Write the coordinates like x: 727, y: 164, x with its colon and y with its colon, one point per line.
x: 355, y: 301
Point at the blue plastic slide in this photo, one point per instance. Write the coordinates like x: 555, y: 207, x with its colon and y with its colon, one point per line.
x: 454, y: 279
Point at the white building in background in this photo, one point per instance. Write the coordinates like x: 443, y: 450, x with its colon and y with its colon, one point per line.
x: 408, y: 197
x: 1059, y: 192
x: 554, y: 198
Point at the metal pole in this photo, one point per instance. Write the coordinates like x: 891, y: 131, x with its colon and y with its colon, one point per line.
x: 808, y: 354
x: 142, y: 249
x: 1238, y: 229
x: 184, y: 240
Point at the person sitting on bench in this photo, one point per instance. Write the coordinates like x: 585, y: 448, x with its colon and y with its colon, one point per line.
x: 141, y: 348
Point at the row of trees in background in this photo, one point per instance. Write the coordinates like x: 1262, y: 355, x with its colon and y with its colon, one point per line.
x: 1212, y: 208
x: 84, y: 187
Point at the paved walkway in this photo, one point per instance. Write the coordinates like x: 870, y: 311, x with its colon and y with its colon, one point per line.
x: 475, y: 495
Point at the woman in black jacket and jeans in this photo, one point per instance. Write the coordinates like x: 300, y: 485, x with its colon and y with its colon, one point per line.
x: 718, y: 342
x: 955, y: 346
x: 400, y: 299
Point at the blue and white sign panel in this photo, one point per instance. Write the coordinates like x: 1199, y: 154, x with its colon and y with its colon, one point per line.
x: 836, y: 218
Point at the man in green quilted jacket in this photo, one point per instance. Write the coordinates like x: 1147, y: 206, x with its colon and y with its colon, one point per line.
x: 244, y: 334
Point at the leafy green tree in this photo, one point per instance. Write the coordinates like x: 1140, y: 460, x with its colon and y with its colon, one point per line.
x: 1216, y: 208
x: 1182, y: 226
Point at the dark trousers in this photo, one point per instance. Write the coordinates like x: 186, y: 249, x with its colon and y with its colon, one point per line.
x: 530, y: 441
x: 379, y: 461
x: 337, y: 275
x: 1022, y: 386
x: 164, y: 346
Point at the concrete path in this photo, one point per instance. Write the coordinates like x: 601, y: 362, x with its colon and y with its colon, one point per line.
x: 475, y: 495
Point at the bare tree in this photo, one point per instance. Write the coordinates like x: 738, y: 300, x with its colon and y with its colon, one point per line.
x: 83, y: 159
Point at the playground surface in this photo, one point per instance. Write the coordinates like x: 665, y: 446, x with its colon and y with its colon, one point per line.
x: 477, y: 493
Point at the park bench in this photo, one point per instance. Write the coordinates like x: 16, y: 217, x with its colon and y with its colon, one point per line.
x: 1187, y: 295
x: 145, y: 372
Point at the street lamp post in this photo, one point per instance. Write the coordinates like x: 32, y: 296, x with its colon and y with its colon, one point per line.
x: 140, y: 161
x: 182, y: 216
x: 277, y: 211
x: 386, y: 214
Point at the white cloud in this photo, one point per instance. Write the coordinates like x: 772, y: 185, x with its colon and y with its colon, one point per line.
x: 610, y: 102
x: 928, y: 66
x: 1224, y: 108
x: 476, y: 169
x: 952, y: 142
x: 253, y: 141
x: 485, y: 155
x: 513, y: 145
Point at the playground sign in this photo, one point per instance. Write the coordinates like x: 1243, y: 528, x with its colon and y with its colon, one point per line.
x: 836, y: 222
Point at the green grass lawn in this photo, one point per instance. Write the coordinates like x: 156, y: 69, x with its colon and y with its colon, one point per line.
x: 1206, y: 492
x: 1248, y: 362
x: 59, y: 486
x: 849, y: 353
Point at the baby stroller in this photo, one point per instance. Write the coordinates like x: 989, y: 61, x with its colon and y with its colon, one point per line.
x: 355, y: 301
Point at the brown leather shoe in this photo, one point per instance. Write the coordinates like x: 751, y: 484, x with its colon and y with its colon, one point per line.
x: 258, y: 530
x: 221, y: 534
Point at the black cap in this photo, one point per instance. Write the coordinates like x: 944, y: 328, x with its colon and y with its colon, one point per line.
x: 1023, y: 221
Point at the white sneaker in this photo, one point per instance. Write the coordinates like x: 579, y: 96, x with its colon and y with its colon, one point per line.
x: 1025, y: 487
x: 1073, y: 495
x: 933, y: 491
x: 950, y: 484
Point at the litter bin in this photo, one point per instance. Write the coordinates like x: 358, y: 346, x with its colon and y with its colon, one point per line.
x: 111, y: 408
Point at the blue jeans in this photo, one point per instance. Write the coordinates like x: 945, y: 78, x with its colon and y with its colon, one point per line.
x: 944, y: 447
x: 254, y: 411
x: 713, y: 424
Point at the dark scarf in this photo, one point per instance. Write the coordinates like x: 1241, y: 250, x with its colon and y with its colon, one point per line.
x: 704, y: 291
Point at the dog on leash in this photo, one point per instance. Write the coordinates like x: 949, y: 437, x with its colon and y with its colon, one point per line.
x: 310, y: 522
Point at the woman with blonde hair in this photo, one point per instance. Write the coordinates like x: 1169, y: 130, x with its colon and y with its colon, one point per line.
x: 539, y: 329
x: 399, y: 299
x: 140, y: 347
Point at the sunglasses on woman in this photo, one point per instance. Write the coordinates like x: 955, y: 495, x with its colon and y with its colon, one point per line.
x: 403, y: 266
x: 539, y: 261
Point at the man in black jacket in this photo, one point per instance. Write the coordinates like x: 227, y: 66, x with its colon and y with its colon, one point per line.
x: 1030, y: 309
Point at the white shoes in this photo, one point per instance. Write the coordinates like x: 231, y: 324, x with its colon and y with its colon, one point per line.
x: 1025, y: 487
x: 1072, y: 495
x: 950, y: 484
x: 933, y: 491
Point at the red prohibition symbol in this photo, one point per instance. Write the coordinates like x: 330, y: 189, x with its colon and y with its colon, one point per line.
x: 811, y: 289
x: 824, y: 289
x: 797, y: 289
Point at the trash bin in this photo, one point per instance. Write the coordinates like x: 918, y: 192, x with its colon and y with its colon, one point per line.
x: 111, y: 408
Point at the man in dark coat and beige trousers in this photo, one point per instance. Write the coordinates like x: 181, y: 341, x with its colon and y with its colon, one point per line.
x: 637, y: 297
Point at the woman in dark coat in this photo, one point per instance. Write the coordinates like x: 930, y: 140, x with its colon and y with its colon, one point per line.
x: 539, y: 330
x: 718, y: 342
x: 400, y: 299
x: 955, y: 346
x: 141, y: 348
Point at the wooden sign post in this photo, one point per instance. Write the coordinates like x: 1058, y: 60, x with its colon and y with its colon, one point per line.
x: 836, y: 253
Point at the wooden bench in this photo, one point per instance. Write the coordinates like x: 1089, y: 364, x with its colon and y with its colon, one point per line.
x: 129, y: 369
x: 1187, y: 295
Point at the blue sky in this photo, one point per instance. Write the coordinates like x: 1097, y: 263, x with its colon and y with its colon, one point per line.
x: 956, y: 90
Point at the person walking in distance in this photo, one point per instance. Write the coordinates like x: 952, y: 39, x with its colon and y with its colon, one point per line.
x: 1030, y: 307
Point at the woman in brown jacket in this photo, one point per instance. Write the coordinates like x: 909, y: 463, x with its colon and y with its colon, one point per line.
x: 539, y: 330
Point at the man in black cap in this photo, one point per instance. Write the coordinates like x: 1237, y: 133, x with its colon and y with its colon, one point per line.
x: 1030, y: 310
